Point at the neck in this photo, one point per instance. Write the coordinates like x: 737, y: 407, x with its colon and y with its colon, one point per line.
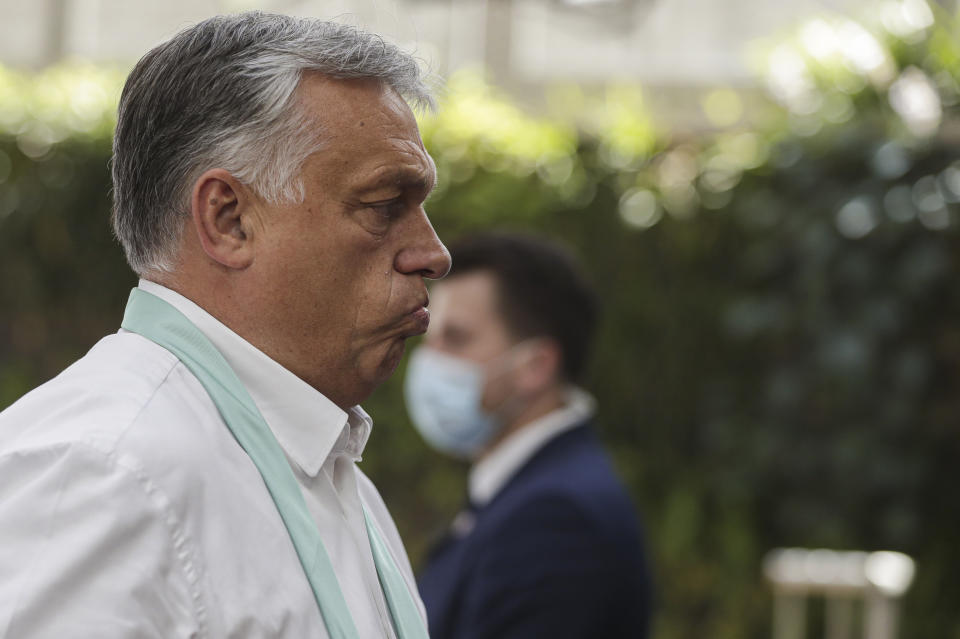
x: 545, y: 403
x: 198, y: 290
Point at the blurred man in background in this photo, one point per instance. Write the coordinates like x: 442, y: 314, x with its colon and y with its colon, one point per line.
x: 194, y: 475
x: 549, y: 545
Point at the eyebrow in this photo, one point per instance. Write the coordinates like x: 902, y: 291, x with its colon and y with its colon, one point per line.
x: 402, y: 178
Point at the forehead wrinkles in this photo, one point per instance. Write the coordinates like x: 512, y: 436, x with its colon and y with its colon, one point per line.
x: 410, y: 164
x: 395, y: 161
x: 380, y: 153
x: 370, y: 138
x: 346, y: 108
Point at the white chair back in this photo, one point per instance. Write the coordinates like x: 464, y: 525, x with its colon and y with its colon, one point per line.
x: 846, y: 580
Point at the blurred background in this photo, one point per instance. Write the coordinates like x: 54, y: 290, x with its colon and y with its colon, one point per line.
x: 766, y: 194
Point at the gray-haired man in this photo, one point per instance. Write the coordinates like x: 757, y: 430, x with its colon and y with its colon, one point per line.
x: 194, y: 475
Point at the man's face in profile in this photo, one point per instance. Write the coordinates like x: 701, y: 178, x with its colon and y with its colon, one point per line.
x: 342, y: 272
x: 467, y: 325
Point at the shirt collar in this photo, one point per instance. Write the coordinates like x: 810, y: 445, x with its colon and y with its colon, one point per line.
x: 309, y: 427
x: 489, y: 475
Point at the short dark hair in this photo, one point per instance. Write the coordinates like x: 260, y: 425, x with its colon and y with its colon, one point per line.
x: 541, y: 291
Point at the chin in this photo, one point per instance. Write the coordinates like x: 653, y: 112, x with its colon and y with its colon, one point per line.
x: 377, y: 367
x: 392, y: 359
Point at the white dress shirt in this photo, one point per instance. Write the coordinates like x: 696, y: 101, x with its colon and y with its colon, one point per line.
x: 127, y: 509
x: 489, y: 475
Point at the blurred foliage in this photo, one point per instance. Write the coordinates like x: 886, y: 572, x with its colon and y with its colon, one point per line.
x: 780, y: 354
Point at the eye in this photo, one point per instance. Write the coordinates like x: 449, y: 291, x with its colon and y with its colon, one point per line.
x: 456, y: 337
x: 376, y: 217
x: 388, y: 210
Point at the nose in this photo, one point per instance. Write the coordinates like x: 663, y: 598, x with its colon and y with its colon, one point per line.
x: 424, y: 253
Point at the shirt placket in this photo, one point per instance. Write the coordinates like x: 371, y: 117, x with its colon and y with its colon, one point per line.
x: 344, y: 483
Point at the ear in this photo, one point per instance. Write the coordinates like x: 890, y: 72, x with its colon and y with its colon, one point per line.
x: 540, y: 367
x: 222, y: 210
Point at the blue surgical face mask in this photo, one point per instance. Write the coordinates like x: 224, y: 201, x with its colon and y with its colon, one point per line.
x: 443, y: 395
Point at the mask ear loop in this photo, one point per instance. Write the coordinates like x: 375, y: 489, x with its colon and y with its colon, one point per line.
x: 502, y: 364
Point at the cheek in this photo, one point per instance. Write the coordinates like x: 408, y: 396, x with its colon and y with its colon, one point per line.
x: 493, y: 396
x: 373, y: 288
x: 496, y: 390
x: 304, y: 296
x: 313, y: 267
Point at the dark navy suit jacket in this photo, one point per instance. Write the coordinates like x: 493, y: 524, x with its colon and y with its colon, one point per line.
x: 556, y: 554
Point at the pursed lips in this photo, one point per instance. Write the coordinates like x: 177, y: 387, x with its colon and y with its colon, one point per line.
x: 421, y: 319
x: 416, y: 319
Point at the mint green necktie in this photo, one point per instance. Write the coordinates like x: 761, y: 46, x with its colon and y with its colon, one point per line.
x: 159, y: 322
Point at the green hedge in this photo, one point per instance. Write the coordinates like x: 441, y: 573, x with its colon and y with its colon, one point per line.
x: 780, y: 352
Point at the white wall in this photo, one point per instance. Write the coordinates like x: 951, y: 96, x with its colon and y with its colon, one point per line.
x: 674, y: 42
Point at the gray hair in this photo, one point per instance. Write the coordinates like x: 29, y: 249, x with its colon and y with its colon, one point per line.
x: 221, y: 94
